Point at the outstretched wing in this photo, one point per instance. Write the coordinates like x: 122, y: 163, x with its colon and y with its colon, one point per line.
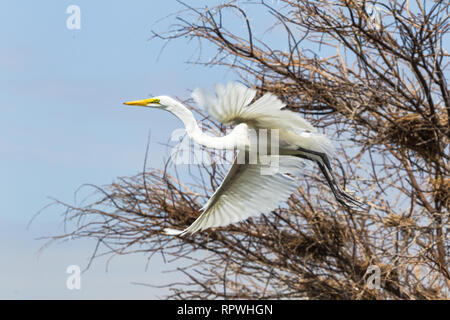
x: 246, y: 192
x: 231, y: 103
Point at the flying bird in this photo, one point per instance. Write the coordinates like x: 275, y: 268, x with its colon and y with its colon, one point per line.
x: 246, y: 192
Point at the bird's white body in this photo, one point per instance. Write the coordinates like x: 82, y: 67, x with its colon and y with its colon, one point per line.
x: 236, y: 138
x: 264, y: 113
x: 245, y: 191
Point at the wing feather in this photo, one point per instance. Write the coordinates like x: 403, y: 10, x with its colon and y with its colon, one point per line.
x: 232, y: 103
x: 226, y: 103
x: 245, y: 192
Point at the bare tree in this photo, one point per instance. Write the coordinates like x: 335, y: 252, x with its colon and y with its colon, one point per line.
x: 380, y: 88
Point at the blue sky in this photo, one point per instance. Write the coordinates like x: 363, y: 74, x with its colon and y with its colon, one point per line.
x: 62, y: 124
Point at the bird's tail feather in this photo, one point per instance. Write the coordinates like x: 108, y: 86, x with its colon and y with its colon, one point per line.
x: 172, y: 232
x: 323, y: 144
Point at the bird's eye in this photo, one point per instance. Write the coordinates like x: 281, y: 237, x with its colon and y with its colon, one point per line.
x: 154, y: 101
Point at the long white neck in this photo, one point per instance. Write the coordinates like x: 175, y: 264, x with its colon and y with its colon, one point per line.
x: 235, y: 139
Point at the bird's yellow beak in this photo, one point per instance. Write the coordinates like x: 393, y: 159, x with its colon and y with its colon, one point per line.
x: 144, y: 102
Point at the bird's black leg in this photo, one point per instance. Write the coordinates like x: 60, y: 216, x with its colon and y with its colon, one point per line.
x: 327, y: 177
x: 334, y: 187
x: 331, y: 179
x: 346, y: 197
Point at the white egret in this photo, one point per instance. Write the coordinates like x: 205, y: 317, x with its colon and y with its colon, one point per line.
x: 245, y: 192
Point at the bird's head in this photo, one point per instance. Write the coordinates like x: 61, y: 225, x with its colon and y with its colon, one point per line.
x: 160, y: 102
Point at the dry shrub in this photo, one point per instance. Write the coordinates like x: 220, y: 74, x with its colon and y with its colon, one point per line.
x: 441, y: 194
x: 413, y: 132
